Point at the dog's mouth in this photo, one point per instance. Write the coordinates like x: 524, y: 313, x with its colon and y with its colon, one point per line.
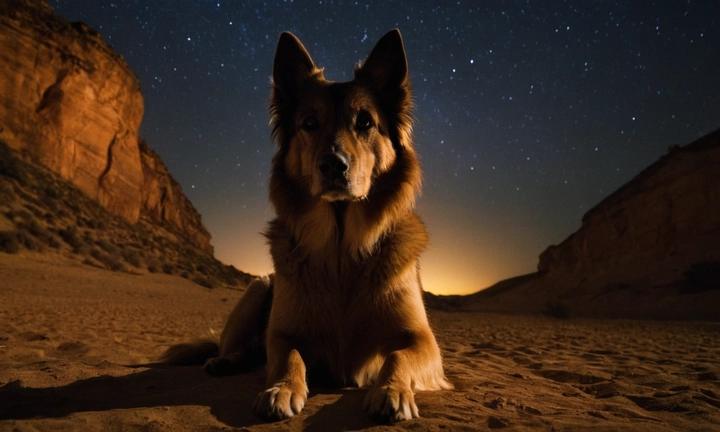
x: 336, y: 190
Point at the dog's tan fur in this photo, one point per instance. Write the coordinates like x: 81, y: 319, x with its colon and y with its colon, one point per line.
x: 346, y: 296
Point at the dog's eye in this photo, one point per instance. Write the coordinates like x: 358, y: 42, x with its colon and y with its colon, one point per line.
x: 363, y: 121
x: 310, y: 123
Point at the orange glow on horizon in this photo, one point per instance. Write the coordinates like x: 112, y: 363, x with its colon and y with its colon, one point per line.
x: 437, y: 276
x: 452, y: 265
x: 447, y: 284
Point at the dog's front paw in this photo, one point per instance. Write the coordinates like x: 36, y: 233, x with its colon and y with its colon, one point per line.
x: 280, y: 402
x: 390, y: 403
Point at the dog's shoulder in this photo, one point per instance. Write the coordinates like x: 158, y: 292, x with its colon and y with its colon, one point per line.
x: 402, y: 244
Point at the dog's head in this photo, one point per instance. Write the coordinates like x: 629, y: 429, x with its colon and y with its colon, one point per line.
x: 336, y: 138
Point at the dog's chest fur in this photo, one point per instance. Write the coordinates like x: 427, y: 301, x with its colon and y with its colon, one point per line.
x: 346, y: 303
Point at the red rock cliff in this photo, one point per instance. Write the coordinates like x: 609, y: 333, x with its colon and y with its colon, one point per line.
x: 164, y: 201
x: 72, y: 104
x: 649, y: 250
x: 651, y: 230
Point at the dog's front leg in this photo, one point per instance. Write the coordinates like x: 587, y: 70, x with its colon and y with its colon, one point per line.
x: 391, y: 399
x: 288, y: 391
x: 419, y: 365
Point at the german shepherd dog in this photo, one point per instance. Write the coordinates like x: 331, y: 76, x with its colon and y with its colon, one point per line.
x: 345, y: 302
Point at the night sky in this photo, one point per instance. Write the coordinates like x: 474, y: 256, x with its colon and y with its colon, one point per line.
x: 528, y: 113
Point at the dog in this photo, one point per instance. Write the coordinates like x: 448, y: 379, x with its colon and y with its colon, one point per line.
x: 344, y: 305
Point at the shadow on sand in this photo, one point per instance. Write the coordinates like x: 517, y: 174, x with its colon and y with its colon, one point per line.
x: 229, y: 398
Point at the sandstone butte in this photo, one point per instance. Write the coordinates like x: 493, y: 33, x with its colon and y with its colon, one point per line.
x: 72, y: 104
x: 651, y: 249
x: 651, y: 230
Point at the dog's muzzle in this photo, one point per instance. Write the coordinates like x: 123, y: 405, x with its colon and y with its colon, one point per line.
x: 333, y: 180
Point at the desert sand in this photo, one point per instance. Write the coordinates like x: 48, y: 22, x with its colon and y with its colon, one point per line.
x: 78, y: 343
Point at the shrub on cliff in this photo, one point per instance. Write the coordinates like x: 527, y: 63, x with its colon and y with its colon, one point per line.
x: 10, y: 166
x: 9, y: 242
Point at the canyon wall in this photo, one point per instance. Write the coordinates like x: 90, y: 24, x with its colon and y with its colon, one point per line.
x: 71, y: 103
x: 651, y: 230
x: 651, y: 249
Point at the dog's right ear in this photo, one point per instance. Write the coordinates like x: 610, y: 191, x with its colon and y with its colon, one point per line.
x: 292, y: 65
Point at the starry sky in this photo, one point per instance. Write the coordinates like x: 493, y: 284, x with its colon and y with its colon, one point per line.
x: 529, y: 113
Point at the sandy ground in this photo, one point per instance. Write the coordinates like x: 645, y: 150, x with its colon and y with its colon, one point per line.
x: 71, y: 337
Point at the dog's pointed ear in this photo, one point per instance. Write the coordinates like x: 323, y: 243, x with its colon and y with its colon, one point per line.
x: 386, y: 66
x: 292, y: 64
x: 386, y: 71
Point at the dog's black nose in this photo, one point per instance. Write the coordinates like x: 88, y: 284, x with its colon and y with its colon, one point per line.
x: 333, y: 165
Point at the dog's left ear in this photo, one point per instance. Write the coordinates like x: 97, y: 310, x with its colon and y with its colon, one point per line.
x: 292, y: 65
x: 386, y: 66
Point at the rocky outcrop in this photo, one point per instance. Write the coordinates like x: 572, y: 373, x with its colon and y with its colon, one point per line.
x: 72, y: 104
x: 163, y: 200
x: 649, y: 250
x: 651, y: 230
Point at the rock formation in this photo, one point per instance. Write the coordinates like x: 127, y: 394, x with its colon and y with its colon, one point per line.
x: 164, y: 201
x: 652, y: 229
x: 72, y: 104
x: 651, y: 249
